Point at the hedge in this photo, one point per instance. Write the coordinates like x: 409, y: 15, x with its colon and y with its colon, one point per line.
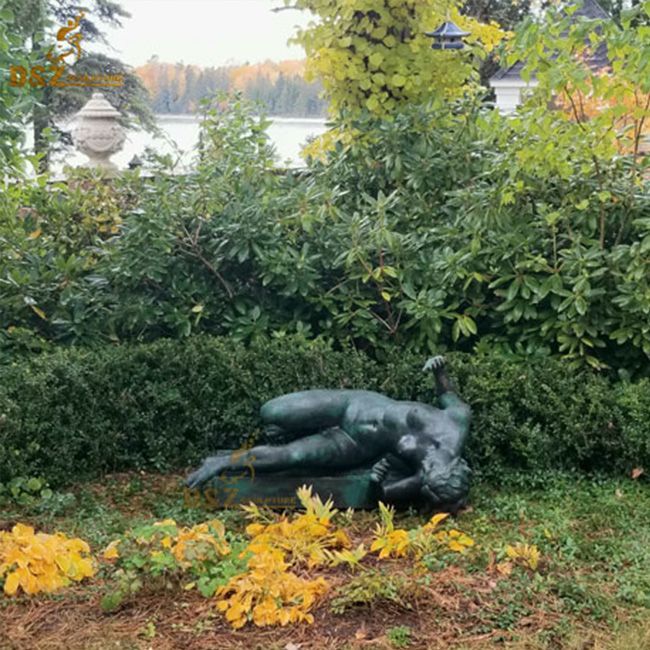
x: 77, y: 414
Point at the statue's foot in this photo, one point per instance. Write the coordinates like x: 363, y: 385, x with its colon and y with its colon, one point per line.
x: 212, y: 466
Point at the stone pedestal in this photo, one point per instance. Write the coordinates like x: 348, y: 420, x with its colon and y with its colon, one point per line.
x: 98, y: 134
x: 352, y: 489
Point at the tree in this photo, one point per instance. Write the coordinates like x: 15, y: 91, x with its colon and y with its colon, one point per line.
x: 373, y: 55
x: 279, y: 86
x: 617, y: 8
x: 15, y: 106
x: 610, y: 108
x: 507, y: 13
x: 556, y: 230
x: 32, y: 18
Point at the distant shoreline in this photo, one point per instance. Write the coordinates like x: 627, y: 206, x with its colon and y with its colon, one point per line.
x: 194, y: 117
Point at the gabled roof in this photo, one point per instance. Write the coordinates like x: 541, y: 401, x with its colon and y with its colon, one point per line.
x: 589, y: 9
x: 592, y: 10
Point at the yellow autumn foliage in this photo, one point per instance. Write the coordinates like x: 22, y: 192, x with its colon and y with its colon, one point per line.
x: 396, y: 542
x: 616, y: 102
x: 268, y: 593
x: 195, y: 543
x: 350, y: 557
x: 306, y: 538
x: 375, y: 56
x: 187, y: 545
x: 526, y: 555
x: 39, y: 562
x: 455, y: 540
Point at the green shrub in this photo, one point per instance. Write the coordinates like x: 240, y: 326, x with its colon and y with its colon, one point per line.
x: 76, y: 414
x: 436, y: 230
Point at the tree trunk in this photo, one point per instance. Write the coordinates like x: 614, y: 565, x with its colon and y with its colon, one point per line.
x: 40, y: 115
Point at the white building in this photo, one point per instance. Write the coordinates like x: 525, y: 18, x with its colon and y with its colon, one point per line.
x: 510, y: 87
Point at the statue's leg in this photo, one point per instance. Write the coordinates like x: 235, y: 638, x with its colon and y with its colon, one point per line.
x: 331, y: 449
x: 307, y: 411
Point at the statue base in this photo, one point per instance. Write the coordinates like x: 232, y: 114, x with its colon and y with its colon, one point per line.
x: 353, y: 489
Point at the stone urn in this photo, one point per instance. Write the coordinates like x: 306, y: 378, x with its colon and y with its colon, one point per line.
x: 98, y: 134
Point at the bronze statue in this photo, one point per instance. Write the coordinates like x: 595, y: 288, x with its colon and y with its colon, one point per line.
x: 414, y: 449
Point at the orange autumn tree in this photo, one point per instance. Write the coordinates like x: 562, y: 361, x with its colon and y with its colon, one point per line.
x: 625, y: 106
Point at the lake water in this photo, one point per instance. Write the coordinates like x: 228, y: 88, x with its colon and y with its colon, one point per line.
x: 287, y: 134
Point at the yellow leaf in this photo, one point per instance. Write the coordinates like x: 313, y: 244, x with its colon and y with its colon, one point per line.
x: 11, y: 583
x: 165, y: 522
x: 457, y: 547
x: 511, y: 552
x: 111, y: 552
x: 504, y: 568
x: 35, y: 234
x: 21, y: 530
x: 437, y: 519
x: 39, y: 312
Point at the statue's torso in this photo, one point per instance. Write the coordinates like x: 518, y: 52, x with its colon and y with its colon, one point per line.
x: 407, y: 429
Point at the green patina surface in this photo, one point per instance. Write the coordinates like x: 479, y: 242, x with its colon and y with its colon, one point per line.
x: 357, y: 446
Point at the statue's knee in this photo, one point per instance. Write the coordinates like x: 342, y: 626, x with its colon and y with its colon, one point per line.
x: 272, y: 411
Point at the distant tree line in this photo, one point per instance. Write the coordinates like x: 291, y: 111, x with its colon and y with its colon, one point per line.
x: 281, y: 87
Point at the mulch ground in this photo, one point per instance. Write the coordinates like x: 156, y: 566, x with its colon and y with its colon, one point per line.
x: 457, y: 606
x: 445, y: 614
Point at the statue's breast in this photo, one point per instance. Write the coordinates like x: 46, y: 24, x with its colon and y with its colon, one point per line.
x: 408, y: 447
x: 413, y: 448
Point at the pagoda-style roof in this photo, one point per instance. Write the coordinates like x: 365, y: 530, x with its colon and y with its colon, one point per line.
x: 598, y: 60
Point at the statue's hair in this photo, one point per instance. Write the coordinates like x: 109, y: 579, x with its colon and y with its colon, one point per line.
x: 449, y: 483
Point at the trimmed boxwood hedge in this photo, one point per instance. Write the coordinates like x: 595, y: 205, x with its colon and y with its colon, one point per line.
x: 77, y: 413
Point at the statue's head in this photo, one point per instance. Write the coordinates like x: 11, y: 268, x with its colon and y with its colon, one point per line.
x: 447, y: 484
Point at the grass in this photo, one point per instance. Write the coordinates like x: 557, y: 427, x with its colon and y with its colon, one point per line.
x: 592, y: 589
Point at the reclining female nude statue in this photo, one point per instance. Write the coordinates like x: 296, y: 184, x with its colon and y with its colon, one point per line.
x: 339, y: 430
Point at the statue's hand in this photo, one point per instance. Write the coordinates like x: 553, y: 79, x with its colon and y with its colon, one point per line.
x: 434, y: 363
x: 380, y: 470
x: 211, y: 467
